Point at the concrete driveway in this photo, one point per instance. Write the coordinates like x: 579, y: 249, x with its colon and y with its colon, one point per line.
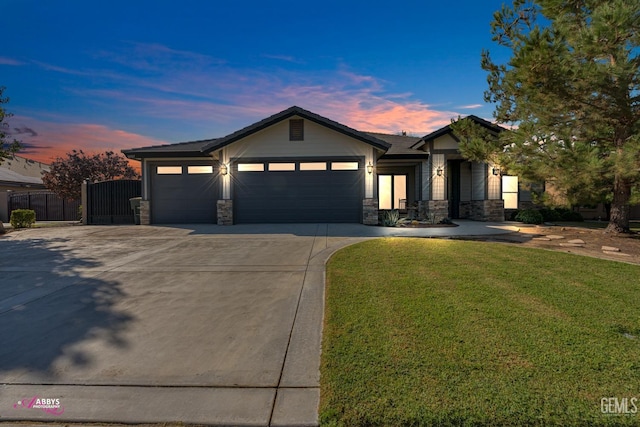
x: 193, y: 324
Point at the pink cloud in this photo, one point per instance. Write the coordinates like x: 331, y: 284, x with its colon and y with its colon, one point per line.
x: 190, y: 89
x: 44, y: 141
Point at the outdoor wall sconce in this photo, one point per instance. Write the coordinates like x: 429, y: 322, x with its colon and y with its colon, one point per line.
x: 439, y: 171
x: 223, y: 169
x: 369, y: 168
x: 496, y: 171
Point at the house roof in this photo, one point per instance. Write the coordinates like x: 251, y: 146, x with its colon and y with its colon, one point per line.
x: 186, y: 149
x: 300, y: 112
x: 400, y: 146
x: 204, y: 147
x: 447, y: 130
x: 9, y: 177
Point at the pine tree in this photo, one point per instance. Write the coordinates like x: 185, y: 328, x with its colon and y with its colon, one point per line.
x: 571, y: 89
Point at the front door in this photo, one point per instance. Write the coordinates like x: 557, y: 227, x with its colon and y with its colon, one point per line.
x: 453, y: 168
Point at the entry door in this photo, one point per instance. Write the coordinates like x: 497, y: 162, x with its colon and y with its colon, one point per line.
x: 453, y: 168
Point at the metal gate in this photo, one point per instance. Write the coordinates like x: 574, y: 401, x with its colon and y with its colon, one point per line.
x: 108, y: 201
x: 47, y: 205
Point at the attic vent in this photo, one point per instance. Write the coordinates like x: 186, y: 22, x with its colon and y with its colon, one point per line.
x: 296, y: 130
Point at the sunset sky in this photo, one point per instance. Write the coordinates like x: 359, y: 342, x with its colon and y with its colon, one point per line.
x: 98, y: 75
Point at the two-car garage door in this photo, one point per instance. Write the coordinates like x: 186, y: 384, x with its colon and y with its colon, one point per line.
x: 300, y: 191
x: 262, y: 192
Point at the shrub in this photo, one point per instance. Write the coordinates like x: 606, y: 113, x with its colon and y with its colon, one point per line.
x: 514, y: 215
x: 551, y: 215
x: 22, y: 218
x: 569, y: 215
x: 390, y: 218
x: 530, y: 216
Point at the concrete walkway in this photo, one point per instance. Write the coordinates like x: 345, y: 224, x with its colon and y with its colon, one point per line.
x: 195, y: 324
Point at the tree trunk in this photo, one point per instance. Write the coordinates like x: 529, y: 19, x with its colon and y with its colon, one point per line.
x: 619, y: 216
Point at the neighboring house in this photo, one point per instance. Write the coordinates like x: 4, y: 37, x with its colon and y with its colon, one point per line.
x: 297, y: 166
x: 21, y: 174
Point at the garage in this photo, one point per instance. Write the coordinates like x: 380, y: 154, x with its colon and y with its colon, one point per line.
x: 183, y: 192
x: 298, y: 191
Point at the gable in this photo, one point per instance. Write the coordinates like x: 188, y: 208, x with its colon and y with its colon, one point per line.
x: 298, y: 113
x: 318, y: 140
x: 445, y: 142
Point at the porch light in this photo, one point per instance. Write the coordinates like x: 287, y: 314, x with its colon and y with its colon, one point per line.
x: 496, y: 171
x: 369, y: 168
x: 223, y: 169
x: 439, y: 171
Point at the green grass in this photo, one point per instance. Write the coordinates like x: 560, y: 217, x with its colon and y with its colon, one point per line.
x: 442, y: 332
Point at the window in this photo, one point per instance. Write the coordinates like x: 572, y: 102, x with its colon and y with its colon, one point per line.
x: 250, y: 167
x: 169, y: 170
x: 313, y: 166
x: 296, y: 130
x: 282, y: 166
x: 510, y: 191
x: 344, y: 166
x: 192, y: 170
x: 391, y: 190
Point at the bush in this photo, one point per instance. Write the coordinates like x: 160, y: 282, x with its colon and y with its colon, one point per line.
x: 530, y: 216
x: 560, y: 214
x: 22, y: 218
x: 569, y: 215
x: 390, y: 218
x: 551, y: 215
x: 514, y: 215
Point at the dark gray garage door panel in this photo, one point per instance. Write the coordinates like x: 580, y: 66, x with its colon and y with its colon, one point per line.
x: 297, y: 196
x: 183, y: 198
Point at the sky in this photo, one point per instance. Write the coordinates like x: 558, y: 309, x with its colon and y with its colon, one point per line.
x: 110, y: 75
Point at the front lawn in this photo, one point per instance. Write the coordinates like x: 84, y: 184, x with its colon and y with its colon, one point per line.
x: 443, y: 332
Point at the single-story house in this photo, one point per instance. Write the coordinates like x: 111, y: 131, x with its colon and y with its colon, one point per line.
x: 297, y: 166
x: 18, y: 175
x: 21, y: 174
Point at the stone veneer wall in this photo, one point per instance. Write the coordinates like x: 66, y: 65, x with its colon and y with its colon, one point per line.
x: 145, y: 212
x: 225, y: 212
x: 487, y: 210
x: 370, y: 211
x: 439, y: 208
x: 465, y: 210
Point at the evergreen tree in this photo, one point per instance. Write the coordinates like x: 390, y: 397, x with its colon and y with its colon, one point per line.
x: 572, y: 91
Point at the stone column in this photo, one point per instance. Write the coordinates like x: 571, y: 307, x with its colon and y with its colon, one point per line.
x: 145, y: 212
x: 225, y: 212
x: 370, y: 211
